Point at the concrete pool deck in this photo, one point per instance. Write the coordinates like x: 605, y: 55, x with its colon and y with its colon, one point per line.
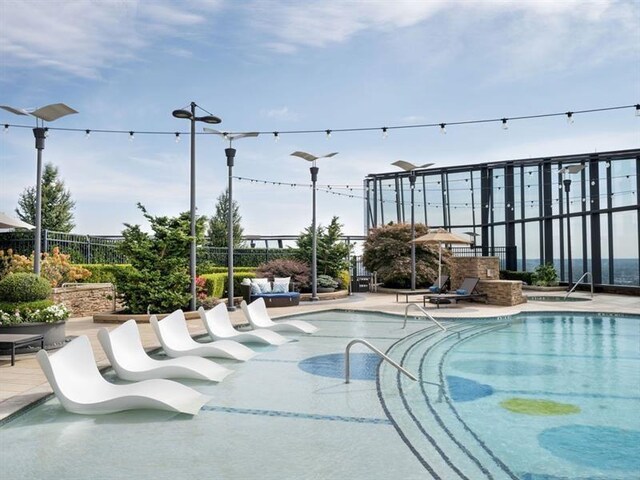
x: 24, y: 383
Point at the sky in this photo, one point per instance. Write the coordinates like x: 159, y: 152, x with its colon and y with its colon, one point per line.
x: 288, y: 65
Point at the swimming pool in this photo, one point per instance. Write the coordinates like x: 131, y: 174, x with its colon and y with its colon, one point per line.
x: 532, y: 397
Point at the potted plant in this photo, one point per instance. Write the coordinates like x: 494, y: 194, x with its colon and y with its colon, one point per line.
x: 25, y: 308
x: 326, y: 284
x: 545, y: 275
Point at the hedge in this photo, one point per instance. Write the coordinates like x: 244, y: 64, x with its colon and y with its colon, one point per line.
x: 24, y: 287
x: 207, y: 269
x: 216, y: 283
x: 11, y: 307
x: 103, y: 272
x: 527, y: 277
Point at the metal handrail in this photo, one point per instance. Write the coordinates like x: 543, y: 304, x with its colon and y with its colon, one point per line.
x: 578, y: 282
x: 374, y: 349
x: 428, y: 315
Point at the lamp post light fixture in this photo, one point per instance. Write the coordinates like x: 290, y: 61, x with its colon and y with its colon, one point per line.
x: 191, y: 116
x: 411, y: 168
x: 230, y: 153
x: 314, y: 236
x: 565, y: 172
x: 48, y: 113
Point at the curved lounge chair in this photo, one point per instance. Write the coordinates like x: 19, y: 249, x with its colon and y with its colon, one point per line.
x: 76, y: 381
x: 128, y: 358
x: 258, y: 317
x: 219, y: 326
x: 176, y: 341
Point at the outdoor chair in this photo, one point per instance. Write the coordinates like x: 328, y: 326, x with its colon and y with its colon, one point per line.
x: 76, y: 381
x: 218, y: 324
x: 258, y: 317
x: 466, y: 291
x: 176, y: 341
x: 440, y: 285
x: 126, y: 354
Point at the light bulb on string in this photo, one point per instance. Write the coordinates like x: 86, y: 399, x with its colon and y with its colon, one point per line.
x: 87, y: 133
x: 638, y: 110
x: 131, y: 136
x: 328, y: 132
x: 570, y: 118
x: 177, y: 137
x: 504, y: 124
x: 276, y: 137
x: 385, y: 134
x: 46, y: 132
x: 443, y: 128
x: 6, y: 128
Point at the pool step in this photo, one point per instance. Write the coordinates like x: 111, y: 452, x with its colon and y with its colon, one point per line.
x: 423, y: 413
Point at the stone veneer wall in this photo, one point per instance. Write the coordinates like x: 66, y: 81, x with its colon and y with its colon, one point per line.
x: 502, y: 292
x: 487, y: 269
x: 84, y: 300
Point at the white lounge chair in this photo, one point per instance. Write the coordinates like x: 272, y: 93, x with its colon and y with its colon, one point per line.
x: 176, y: 340
x: 257, y: 315
x: 124, y: 350
x: 218, y: 324
x: 76, y: 381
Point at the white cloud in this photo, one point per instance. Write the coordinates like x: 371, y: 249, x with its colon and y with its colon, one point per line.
x: 281, y: 113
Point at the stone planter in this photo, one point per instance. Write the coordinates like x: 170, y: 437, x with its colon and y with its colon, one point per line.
x: 54, y: 333
x: 325, y: 290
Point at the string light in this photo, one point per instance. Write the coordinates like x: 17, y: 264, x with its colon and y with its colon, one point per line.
x: 503, y: 121
x: 443, y: 128
x: 177, y: 137
x: 131, y: 136
x: 46, y: 132
x: 6, y: 128
x: 385, y: 134
x: 87, y: 133
x: 328, y: 132
x: 276, y: 137
x: 570, y: 118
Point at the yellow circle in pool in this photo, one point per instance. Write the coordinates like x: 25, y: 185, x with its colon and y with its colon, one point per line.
x: 528, y: 406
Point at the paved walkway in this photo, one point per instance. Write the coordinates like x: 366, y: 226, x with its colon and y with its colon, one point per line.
x: 25, y: 383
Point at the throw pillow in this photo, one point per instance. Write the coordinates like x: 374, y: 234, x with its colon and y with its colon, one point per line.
x: 255, y: 289
x: 259, y: 280
x: 280, y: 288
x: 284, y: 281
x: 265, y: 287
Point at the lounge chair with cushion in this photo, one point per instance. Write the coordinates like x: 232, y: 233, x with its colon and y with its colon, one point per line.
x: 76, y: 381
x: 258, y: 317
x: 176, y: 341
x: 440, y: 285
x: 218, y: 324
x: 466, y: 291
x: 129, y: 360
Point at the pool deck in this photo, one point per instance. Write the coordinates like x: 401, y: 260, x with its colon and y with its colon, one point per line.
x: 25, y: 383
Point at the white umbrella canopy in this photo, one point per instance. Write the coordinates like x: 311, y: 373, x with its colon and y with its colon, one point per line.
x: 439, y: 237
x: 9, y: 222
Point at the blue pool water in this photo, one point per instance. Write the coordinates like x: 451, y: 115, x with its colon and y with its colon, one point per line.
x: 531, y: 397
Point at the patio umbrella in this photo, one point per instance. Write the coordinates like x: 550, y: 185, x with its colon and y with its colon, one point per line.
x: 439, y: 237
x: 9, y: 222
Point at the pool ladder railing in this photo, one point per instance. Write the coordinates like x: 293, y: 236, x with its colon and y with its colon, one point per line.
x: 427, y: 314
x: 578, y: 282
x: 373, y: 349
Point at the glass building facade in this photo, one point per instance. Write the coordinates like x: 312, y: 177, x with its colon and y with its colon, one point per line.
x: 524, y: 205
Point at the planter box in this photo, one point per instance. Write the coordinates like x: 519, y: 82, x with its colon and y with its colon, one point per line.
x: 54, y: 333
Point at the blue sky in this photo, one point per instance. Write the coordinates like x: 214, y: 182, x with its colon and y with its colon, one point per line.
x: 275, y: 66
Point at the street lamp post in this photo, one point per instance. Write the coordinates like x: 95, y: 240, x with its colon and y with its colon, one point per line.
x: 48, y: 113
x: 565, y: 171
x: 411, y: 168
x: 230, y: 154
x: 314, y: 236
x: 191, y: 116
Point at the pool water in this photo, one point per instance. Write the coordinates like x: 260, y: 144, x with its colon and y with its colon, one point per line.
x: 529, y: 397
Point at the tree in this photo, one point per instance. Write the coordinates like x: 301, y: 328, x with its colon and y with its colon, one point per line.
x: 332, y: 252
x: 218, y: 223
x: 57, y: 205
x: 387, y: 251
x: 159, y: 278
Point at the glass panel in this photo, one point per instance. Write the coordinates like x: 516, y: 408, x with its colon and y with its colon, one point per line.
x: 557, y: 248
x: 532, y: 236
x: 498, y: 195
x: 623, y: 181
x: 576, y: 248
x: 531, y: 197
x: 517, y: 196
x: 459, y: 196
x: 625, y: 248
x: 434, y: 201
x: 604, y: 247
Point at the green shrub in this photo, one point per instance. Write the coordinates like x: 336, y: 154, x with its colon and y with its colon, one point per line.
x: 526, y: 277
x: 343, y: 279
x: 32, y: 312
x: 24, y: 287
x: 104, y: 273
x: 325, y: 281
x: 332, y: 252
x: 545, y: 275
x: 216, y: 283
x: 208, y: 268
